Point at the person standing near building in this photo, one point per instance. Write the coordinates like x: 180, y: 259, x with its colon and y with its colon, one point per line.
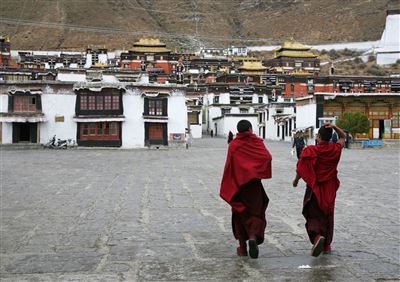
x: 298, y: 142
x: 248, y: 161
x: 318, y: 168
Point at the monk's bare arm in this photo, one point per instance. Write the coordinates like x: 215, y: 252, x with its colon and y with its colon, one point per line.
x: 340, y: 133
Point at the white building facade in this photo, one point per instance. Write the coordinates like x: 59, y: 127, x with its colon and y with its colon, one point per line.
x: 93, y: 113
x: 388, y: 51
x: 226, y: 105
x: 277, y: 120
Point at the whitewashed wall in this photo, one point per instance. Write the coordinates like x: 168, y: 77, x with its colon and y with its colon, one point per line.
x: 255, y: 98
x: 58, y: 104
x: 306, y: 115
x: 6, y: 133
x: 177, y: 113
x: 213, y: 113
x: 208, y: 99
x: 3, y: 103
x: 389, y: 45
x: 6, y: 127
x: 110, y: 79
x: 88, y: 62
x: 133, y: 126
x: 235, y: 110
x: 224, y: 98
x: 196, y: 131
x: 58, y: 65
x: 218, y: 127
x: 133, y: 131
x: 229, y: 123
x: 387, y: 58
x: 74, y: 77
x: 271, y: 126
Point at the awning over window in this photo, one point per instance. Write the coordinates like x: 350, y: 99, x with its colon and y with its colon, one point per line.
x: 156, y: 119
x: 22, y: 117
x: 26, y: 91
x: 155, y: 94
x: 97, y: 86
x: 282, y: 118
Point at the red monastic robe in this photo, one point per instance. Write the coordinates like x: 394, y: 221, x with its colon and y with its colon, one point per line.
x: 247, y: 159
x: 248, y: 162
x: 318, y: 168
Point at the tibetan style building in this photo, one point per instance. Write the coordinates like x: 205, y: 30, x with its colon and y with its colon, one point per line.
x: 252, y: 67
x: 100, y: 107
x: 150, y: 55
x: 225, y: 104
x: 294, y: 58
x: 382, y: 110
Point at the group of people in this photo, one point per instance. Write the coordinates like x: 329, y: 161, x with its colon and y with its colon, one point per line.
x: 248, y: 161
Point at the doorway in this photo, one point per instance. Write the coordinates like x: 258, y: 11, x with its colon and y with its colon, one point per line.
x: 24, y: 132
x: 156, y: 134
x: 381, y: 128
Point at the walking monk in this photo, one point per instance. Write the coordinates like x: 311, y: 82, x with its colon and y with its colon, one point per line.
x: 248, y: 162
x: 317, y: 166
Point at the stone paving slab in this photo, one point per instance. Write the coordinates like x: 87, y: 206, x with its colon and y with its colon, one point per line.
x: 155, y: 215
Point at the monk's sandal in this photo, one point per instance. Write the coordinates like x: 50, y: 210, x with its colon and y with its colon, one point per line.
x: 253, y: 248
x: 318, y: 246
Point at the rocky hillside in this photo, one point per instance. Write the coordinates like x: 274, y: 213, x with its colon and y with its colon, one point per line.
x: 116, y: 24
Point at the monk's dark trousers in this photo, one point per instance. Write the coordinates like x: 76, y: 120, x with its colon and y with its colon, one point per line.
x: 317, y: 222
x: 252, y: 221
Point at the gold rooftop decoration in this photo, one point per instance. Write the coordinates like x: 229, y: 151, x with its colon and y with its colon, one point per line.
x: 294, y: 49
x: 150, y: 45
x: 252, y: 65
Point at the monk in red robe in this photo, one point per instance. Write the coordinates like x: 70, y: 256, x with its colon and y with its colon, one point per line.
x: 317, y: 166
x: 248, y: 162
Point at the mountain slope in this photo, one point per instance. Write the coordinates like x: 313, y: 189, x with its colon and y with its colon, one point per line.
x: 116, y: 24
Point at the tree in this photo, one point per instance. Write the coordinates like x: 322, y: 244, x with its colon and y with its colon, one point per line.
x: 354, y: 123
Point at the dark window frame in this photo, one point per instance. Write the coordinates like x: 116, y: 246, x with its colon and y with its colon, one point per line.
x: 99, y: 104
x: 33, y: 103
x: 103, y: 130
x: 156, y: 107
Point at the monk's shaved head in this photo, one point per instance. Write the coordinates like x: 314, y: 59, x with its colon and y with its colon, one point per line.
x: 244, y: 125
x: 325, y: 133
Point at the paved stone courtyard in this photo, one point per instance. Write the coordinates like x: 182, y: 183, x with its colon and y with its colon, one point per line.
x: 151, y: 215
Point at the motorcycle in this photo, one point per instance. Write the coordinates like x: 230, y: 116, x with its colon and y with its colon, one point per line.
x: 55, y: 143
